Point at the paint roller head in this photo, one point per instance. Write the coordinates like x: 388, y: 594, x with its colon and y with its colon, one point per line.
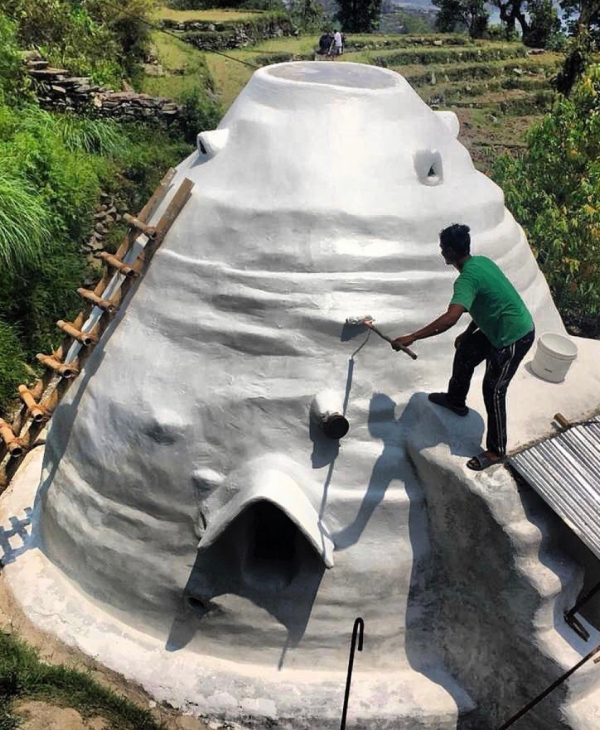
x: 365, y: 320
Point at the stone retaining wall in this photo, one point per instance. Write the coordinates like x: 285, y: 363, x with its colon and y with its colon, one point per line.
x: 57, y: 90
x: 217, y: 36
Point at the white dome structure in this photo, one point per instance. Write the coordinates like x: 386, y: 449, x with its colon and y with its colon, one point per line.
x: 190, y: 498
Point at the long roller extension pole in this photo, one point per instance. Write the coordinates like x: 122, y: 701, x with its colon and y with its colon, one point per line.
x: 407, y: 350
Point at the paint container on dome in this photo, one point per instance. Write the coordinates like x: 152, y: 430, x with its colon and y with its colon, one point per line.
x: 327, y: 411
x: 553, y: 357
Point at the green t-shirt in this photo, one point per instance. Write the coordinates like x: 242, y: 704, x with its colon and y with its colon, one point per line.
x: 492, y: 301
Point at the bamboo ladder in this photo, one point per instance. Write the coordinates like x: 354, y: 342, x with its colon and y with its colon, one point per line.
x: 121, y: 270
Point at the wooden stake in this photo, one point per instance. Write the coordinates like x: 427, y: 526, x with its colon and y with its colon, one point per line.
x: 562, y: 421
x: 67, y: 370
x: 157, y: 196
x: 116, y: 263
x: 37, y: 412
x: 104, y: 304
x: 174, y: 208
x: 85, y: 338
x: 13, y: 444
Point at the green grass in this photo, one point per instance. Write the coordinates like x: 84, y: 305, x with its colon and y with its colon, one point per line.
x: 24, y: 222
x: 214, y: 15
x: 186, y: 71
x: 24, y: 676
x: 460, y: 74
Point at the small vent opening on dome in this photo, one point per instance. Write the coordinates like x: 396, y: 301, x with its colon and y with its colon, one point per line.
x: 429, y: 167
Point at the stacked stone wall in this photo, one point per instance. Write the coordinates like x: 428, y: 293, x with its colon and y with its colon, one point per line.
x: 57, y: 90
x: 219, y: 36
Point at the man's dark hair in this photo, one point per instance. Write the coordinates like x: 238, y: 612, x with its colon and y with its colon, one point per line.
x: 456, y: 238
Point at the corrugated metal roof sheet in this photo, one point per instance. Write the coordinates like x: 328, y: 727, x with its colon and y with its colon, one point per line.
x: 565, y: 471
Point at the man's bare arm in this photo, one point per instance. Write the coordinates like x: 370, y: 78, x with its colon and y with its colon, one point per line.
x: 439, y: 325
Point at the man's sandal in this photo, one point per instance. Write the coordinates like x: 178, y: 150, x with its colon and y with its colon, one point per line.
x: 482, y: 461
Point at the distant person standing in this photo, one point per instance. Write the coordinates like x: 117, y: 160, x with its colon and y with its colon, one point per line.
x: 338, y: 43
x: 325, y: 42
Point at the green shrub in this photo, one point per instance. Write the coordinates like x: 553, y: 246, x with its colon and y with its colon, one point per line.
x: 53, y: 168
x: 93, y: 136
x: 13, y: 370
x: 198, y: 112
x: 554, y: 192
x: 88, y: 37
x: 11, y: 66
x: 150, y: 152
x: 24, y: 222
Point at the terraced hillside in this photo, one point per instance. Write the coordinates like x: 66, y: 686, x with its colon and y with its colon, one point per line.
x: 497, y: 89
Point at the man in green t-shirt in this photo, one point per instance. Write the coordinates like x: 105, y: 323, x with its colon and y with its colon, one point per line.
x: 501, y: 333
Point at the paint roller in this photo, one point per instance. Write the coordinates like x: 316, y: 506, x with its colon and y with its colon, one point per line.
x: 368, y: 321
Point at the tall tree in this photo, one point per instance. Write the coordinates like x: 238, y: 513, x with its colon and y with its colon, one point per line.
x: 583, y: 16
x: 537, y: 19
x: 306, y: 14
x: 359, y: 16
x: 456, y: 14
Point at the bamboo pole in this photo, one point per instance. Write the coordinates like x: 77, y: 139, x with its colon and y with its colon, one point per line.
x: 48, y: 391
x: 134, y: 222
x: 67, y: 370
x: 85, y: 338
x: 13, y: 444
x: 37, y: 412
x: 117, y: 264
x: 104, y: 304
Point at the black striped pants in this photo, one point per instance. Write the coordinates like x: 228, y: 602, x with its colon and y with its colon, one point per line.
x: 501, y: 365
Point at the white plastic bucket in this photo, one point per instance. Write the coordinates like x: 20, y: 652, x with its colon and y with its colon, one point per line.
x: 553, y: 357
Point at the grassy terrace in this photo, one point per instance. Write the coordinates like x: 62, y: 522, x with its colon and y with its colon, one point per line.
x: 496, y: 88
x: 214, y: 15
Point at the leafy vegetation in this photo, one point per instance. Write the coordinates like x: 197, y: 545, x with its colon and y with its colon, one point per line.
x: 554, y: 192
x: 22, y: 674
x: 53, y: 168
x: 471, y: 15
x: 359, y: 16
x: 89, y: 37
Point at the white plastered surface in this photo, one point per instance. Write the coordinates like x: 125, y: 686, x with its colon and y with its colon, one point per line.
x: 314, y: 209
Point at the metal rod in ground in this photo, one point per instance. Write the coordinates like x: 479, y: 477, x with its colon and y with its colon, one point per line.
x: 582, y: 601
x: 358, y: 629
x: 548, y: 690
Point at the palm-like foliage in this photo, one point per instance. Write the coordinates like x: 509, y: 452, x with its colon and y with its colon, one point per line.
x: 24, y: 224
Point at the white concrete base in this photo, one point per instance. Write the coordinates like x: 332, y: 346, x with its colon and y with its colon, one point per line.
x: 465, y: 510
x: 207, y: 686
